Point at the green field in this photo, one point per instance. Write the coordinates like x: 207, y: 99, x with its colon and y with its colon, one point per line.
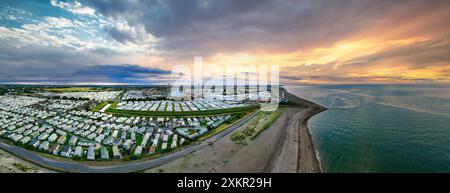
x: 113, y: 110
x: 100, y: 106
x: 72, y: 89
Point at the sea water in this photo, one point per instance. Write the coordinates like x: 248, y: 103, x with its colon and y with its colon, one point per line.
x: 381, y: 128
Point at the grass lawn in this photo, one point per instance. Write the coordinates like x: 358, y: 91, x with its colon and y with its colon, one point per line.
x: 132, y: 158
x: 24, y: 168
x: 100, y: 106
x: 268, y: 121
x: 256, y: 126
x: 72, y: 89
x: 225, y: 125
x: 113, y: 110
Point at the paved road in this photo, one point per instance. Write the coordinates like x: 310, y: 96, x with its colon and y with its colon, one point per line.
x: 119, y: 168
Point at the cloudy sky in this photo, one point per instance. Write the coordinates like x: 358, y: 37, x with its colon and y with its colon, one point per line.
x: 139, y: 41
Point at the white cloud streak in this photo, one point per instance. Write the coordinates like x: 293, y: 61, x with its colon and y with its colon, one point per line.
x: 74, y: 7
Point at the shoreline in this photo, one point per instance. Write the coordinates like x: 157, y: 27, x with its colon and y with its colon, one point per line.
x: 290, y: 136
x: 304, y: 124
x: 308, y: 155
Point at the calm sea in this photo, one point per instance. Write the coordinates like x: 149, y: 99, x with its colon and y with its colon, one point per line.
x: 381, y: 128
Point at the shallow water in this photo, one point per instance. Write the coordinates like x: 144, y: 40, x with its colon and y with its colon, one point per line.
x: 381, y: 128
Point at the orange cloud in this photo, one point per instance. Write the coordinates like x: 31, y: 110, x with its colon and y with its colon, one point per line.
x: 349, y: 61
x: 397, y: 47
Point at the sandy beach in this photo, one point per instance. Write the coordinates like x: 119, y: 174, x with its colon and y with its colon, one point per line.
x: 286, y: 146
x: 307, y: 156
x: 298, y: 153
x: 13, y: 164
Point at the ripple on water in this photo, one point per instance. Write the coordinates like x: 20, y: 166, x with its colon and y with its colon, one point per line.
x: 409, y: 135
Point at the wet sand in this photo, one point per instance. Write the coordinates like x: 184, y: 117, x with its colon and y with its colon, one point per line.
x: 298, y: 153
x: 307, y: 160
x: 286, y: 146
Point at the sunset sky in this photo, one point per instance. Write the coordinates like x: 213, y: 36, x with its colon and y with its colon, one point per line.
x: 138, y: 42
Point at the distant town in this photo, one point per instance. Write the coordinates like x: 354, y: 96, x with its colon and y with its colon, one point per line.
x: 118, y: 123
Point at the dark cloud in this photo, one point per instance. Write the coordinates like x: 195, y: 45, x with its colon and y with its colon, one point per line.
x: 425, y: 56
x: 187, y: 28
x: 285, y: 77
x: 123, y: 33
x: 121, y: 73
x: 365, y: 79
x: 202, y: 27
x: 40, y: 60
x: 120, y: 35
x: 417, y: 55
x: 116, y: 74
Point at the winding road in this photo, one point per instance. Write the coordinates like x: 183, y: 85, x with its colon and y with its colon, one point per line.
x: 79, y: 167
